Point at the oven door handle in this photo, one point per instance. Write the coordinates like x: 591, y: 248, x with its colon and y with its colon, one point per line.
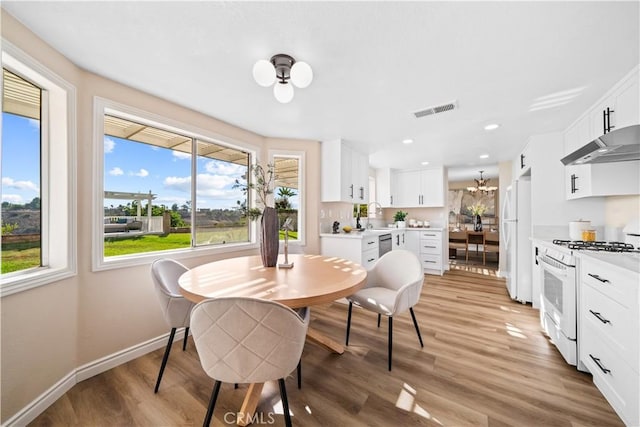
x: 552, y: 268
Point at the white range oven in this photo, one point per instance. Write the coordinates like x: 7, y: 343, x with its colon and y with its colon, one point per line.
x: 558, y: 302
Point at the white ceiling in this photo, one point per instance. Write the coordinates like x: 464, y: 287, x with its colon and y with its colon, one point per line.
x: 374, y: 64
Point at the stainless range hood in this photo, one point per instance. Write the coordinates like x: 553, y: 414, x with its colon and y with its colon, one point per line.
x: 617, y: 146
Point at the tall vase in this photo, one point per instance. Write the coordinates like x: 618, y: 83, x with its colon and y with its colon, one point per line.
x: 477, y: 223
x: 270, y: 237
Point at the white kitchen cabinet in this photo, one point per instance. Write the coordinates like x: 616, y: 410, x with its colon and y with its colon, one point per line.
x: 361, y: 249
x: 523, y: 163
x: 384, y: 184
x: 399, y: 238
x: 577, y: 135
x: 609, y: 334
x: 427, y: 245
x: 351, y: 183
x: 418, y: 188
x: 619, y: 108
x: 602, y: 179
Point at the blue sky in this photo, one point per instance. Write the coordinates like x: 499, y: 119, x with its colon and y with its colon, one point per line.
x: 20, y: 159
x: 128, y: 167
x: 139, y: 168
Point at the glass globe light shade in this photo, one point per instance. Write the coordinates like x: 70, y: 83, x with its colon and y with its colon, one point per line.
x: 301, y: 74
x: 283, y: 92
x: 264, y: 73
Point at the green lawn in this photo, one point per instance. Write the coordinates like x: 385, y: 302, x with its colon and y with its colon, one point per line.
x: 20, y: 256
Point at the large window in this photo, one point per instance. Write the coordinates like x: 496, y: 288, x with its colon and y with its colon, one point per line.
x: 38, y: 165
x: 158, y: 197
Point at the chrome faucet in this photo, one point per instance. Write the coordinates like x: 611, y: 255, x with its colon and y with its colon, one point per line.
x: 378, y: 210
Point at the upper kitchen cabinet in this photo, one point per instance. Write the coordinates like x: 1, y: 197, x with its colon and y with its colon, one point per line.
x: 602, y: 179
x: 523, y: 164
x: 618, y: 109
x: 384, y: 184
x: 345, y: 173
x: 418, y: 188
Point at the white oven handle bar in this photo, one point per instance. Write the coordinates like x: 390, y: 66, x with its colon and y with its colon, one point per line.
x: 553, y: 266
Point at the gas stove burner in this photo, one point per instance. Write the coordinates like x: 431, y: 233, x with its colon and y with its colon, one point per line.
x: 581, y: 245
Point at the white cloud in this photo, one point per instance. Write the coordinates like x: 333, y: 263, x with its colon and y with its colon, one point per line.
x: 141, y: 173
x: 224, y: 168
x: 178, y: 183
x: 116, y: 171
x: 34, y: 123
x: 109, y: 145
x: 180, y: 155
x: 216, y: 186
x: 12, y: 198
x: 20, y: 185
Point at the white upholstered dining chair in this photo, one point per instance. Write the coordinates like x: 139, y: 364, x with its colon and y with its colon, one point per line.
x: 247, y: 340
x: 393, y: 287
x: 175, y: 308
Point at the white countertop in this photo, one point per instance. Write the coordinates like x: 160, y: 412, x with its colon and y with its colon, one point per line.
x: 628, y: 261
x: 354, y: 234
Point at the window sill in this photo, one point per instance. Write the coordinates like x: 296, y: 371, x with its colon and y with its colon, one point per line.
x: 117, y: 262
x: 38, y: 277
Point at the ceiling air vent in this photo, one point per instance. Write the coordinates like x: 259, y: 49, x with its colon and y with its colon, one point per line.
x: 435, y: 110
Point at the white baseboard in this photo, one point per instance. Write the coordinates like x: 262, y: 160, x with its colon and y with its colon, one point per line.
x: 46, y: 399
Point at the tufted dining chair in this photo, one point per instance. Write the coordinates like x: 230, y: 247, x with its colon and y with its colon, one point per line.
x: 393, y: 286
x: 175, y: 308
x: 247, y: 340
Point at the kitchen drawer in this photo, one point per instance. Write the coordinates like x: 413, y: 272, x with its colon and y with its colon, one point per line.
x: 612, y: 320
x: 437, y: 235
x: 617, y: 381
x: 430, y: 246
x: 431, y: 262
x: 370, y: 242
x: 369, y: 258
x: 620, y: 285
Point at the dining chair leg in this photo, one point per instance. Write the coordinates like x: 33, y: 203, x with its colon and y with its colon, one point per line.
x: 379, y: 316
x: 299, y: 371
x: 285, y: 403
x: 167, y: 350
x: 186, y: 335
x: 415, y: 323
x: 212, y: 404
x: 390, y: 339
x: 349, y: 322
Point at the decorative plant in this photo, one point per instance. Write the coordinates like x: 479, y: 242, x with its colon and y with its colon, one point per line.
x: 477, y: 209
x: 400, y: 216
x: 262, y: 183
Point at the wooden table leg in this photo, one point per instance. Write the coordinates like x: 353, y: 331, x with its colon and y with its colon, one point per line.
x: 324, y: 341
x: 250, y: 404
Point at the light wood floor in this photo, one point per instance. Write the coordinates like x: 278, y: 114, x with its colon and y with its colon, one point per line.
x: 484, y: 363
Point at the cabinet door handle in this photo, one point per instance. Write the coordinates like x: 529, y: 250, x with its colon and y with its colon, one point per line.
x: 609, y: 127
x: 597, y: 362
x: 600, y: 279
x: 432, y: 262
x: 351, y: 187
x: 391, y: 200
x: 398, y: 240
x: 371, y: 243
x: 573, y: 183
x: 403, y: 238
x: 522, y: 156
x: 599, y: 317
x: 371, y: 259
x: 361, y: 193
x: 427, y: 246
x: 604, y: 121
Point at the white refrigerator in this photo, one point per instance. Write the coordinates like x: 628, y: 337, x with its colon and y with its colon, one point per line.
x: 515, y: 232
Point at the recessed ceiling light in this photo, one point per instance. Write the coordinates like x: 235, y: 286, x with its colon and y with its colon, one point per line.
x: 425, y: 163
x: 484, y: 156
x: 407, y: 141
x: 492, y: 126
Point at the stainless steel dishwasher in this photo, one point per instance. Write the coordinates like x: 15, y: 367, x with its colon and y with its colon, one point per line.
x: 385, y: 244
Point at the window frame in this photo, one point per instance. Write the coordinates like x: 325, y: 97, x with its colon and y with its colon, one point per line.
x: 58, y: 175
x: 103, y: 106
x: 302, y: 214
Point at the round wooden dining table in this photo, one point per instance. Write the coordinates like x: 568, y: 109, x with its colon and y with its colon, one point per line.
x: 313, y: 280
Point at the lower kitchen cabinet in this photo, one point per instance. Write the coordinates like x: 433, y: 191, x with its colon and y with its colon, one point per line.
x: 361, y: 249
x: 609, y: 334
x: 399, y: 238
x: 427, y: 244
